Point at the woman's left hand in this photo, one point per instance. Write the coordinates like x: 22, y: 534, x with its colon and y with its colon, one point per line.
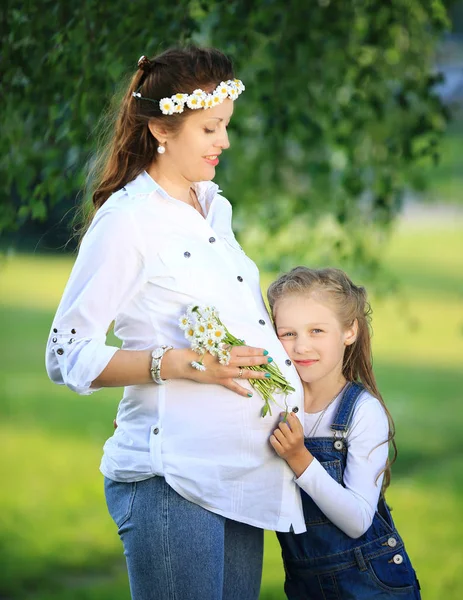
x: 288, y: 442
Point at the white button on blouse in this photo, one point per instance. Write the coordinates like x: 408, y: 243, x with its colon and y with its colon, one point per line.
x: 144, y: 259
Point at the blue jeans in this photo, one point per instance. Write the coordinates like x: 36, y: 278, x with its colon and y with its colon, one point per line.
x: 177, y: 550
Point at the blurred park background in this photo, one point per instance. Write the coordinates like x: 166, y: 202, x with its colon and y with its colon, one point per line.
x: 346, y: 151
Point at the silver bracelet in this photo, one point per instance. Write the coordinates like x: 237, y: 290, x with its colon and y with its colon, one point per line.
x: 156, y: 359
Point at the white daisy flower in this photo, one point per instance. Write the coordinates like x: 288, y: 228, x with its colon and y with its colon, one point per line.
x: 180, y: 98
x: 209, y: 101
x: 198, y: 366
x: 233, y: 93
x: 217, y: 334
x: 239, y: 84
x: 224, y: 357
x: 210, y: 344
x: 189, y: 333
x: 167, y: 106
x: 216, y: 99
x: 200, y: 93
x: 194, y: 101
x: 178, y: 108
x: 214, y: 350
x: 197, y: 346
x: 222, y: 90
x: 184, y: 322
x: 200, y: 330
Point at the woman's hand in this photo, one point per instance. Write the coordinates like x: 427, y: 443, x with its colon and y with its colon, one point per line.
x: 176, y: 364
x: 288, y: 442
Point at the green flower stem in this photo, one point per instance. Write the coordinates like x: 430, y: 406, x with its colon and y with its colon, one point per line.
x: 277, y: 383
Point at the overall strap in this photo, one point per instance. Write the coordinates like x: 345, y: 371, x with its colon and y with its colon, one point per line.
x: 346, y: 407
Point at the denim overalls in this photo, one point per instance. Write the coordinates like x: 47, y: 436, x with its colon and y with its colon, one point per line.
x: 326, y: 564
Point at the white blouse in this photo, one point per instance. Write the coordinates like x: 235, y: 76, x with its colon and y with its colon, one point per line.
x: 144, y: 259
x: 350, y: 507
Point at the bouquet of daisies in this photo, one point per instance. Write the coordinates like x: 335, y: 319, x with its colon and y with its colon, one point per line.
x: 206, y: 333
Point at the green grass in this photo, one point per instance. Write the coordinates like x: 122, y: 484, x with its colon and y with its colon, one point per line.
x: 57, y: 540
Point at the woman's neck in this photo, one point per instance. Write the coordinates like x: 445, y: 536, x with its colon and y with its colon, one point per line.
x: 318, y: 394
x: 176, y: 186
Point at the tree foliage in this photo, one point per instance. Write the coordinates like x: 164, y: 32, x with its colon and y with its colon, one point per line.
x: 339, y: 98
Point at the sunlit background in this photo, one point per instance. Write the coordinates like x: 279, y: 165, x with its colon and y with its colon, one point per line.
x: 57, y: 540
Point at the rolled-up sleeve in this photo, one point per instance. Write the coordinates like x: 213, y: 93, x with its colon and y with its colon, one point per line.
x: 108, y: 272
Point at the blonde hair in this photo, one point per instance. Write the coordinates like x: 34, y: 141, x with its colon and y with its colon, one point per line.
x: 349, y: 302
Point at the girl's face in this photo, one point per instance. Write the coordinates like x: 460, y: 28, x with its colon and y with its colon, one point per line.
x: 313, y: 337
x: 193, y: 153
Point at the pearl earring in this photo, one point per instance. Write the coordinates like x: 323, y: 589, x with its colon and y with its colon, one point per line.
x: 161, y: 149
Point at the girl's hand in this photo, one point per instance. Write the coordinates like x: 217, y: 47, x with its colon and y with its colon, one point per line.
x: 288, y: 442
x: 176, y: 364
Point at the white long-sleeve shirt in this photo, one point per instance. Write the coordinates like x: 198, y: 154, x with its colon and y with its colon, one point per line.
x: 350, y: 507
x: 144, y: 259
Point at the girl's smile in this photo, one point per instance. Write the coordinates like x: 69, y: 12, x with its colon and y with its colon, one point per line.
x: 305, y: 363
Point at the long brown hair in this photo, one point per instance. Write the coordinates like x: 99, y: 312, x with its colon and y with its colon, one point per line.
x: 127, y: 146
x: 350, y: 303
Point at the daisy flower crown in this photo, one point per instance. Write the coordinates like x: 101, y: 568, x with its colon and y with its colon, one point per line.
x: 198, y: 99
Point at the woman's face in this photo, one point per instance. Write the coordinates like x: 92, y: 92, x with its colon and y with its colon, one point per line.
x: 193, y: 153
x: 313, y: 337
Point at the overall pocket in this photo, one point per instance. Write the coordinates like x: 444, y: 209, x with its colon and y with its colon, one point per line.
x: 392, y: 572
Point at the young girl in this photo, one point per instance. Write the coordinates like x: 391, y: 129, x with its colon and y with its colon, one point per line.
x: 351, y: 549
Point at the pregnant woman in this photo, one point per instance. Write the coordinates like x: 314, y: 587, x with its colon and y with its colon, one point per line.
x: 190, y: 478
